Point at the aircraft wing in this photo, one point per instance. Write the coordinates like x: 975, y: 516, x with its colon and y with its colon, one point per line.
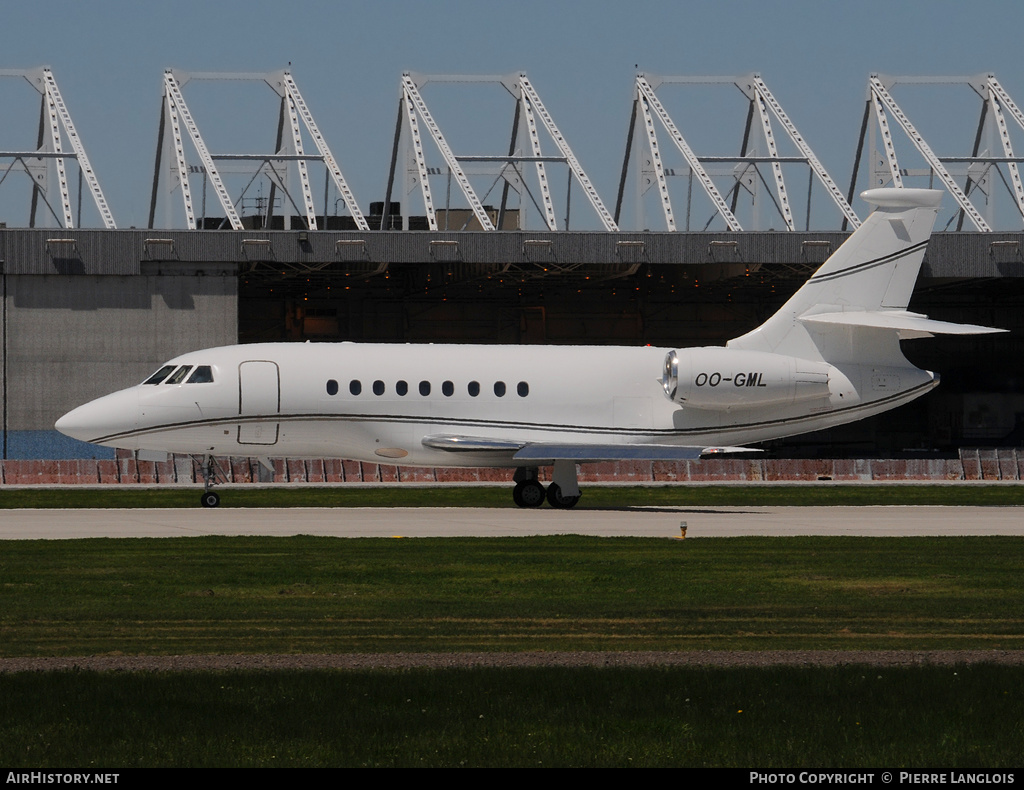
x: 620, y: 452
x: 548, y: 452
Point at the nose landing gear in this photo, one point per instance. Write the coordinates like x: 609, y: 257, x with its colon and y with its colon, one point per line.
x: 211, y: 471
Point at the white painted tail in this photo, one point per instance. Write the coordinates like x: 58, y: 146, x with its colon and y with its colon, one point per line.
x: 854, y: 308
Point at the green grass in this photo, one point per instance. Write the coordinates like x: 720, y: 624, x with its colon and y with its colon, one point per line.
x: 784, y: 718
x: 594, y: 496
x: 326, y: 595
x: 316, y: 595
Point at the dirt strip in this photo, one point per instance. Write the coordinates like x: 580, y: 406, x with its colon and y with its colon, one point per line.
x: 394, y: 661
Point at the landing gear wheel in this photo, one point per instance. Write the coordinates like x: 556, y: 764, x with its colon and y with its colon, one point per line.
x: 528, y: 493
x: 555, y: 498
x: 210, y: 471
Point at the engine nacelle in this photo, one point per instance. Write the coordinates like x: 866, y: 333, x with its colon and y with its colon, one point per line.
x: 725, y: 379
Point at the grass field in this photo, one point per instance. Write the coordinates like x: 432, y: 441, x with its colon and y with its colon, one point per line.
x: 325, y: 595
x: 789, y: 719
x: 315, y: 595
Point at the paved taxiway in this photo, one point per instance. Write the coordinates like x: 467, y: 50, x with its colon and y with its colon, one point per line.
x: 701, y: 522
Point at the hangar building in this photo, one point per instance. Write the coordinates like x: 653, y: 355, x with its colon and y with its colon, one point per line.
x: 89, y: 310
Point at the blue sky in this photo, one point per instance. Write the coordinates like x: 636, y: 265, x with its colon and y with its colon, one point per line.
x: 347, y: 57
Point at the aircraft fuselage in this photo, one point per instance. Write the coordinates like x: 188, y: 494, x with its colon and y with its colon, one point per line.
x: 378, y: 402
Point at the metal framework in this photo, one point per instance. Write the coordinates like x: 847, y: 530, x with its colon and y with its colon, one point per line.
x: 983, y: 165
x: 771, y: 146
x: 45, y: 164
x: 289, y: 150
x: 650, y: 170
x: 510, y: 168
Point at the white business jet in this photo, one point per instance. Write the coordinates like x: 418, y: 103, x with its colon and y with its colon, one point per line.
x: 831, y: 355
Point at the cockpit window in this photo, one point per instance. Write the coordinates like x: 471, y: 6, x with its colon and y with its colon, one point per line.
x: 160, y: 375
x: 179, y: 375
x: 203, y: 375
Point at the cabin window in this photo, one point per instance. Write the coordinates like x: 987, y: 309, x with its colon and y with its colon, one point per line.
x: 179, y: 375
x: 160, y: 375
x: 473, y: 388
x: 424, y: 388
x: 523, y: 389
x: 332, y: 387
x: 448, y: 389
x: 499, y: 389
x: 402, y: 388
x: 355, y: 386
x: 378, y: 387
x: 203, y: 375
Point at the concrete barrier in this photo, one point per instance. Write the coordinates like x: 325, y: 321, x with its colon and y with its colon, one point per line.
x: 798, y: 469
x: 1008, y: 464
x: 315, y: 472
x: 989, y: 464
x: 415, y: 474
x: 972, y: 464
x: 296, y: 470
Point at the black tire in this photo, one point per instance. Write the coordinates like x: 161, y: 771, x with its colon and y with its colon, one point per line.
x: 555, y: 498
x: 528, y: 493
x: 210, y: 499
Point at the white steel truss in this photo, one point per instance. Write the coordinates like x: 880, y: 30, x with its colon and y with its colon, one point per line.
x: 765, y: 105
x: 421, y: 161
x: 530, y: 116
x: 983, y: 164
x: 416, y: 106
x: 294, y: 115
x: 884, y: 101
x: 577, y: 170
x: 325, y: 153
x: 307, y: 192
x: 181, y: 166
x: 175, y: 105
x: 805, y: 149
x: 648, y: 100
x: 55, y: 119
x: 773, y: 152
x: 887, y: 143
x: 999, y: 98
x: 542, y: 176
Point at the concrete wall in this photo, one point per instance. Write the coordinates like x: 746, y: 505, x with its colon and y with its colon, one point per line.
x: 67, y: 339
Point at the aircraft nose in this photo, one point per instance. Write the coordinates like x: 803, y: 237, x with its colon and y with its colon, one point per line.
x: 103, y: 418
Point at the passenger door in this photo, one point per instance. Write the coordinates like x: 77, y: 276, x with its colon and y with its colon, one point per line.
x: 259, y: 399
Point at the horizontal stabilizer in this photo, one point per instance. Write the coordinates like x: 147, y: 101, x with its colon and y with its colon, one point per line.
x: 906, y: 323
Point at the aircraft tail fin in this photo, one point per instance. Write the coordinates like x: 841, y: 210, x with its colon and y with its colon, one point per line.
x: 864, y: 287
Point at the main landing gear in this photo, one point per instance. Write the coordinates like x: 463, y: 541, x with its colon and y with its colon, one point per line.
x: 563, y: 492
